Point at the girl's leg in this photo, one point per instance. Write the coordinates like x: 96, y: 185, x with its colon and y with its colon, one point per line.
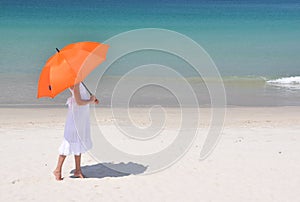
x: 78, y: 172
x: 57, y: 171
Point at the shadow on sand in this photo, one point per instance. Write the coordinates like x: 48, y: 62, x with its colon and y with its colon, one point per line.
x: 102, y: 170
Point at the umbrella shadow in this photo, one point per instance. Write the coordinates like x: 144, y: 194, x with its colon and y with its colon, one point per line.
x: 102, y: 170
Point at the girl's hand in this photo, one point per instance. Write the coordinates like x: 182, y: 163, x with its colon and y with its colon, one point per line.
x: 96, y: 101
x: 92, y: 98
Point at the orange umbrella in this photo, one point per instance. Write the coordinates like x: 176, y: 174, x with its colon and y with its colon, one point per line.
x: 70, y: 66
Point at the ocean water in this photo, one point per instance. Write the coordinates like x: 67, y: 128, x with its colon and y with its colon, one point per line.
x: 255, y: 45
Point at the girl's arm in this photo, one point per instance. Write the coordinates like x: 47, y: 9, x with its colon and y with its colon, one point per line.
x: 78, y: 99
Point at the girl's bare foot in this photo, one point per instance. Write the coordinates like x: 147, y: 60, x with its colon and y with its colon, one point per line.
x: 78, y: 174
x: 57, y: 175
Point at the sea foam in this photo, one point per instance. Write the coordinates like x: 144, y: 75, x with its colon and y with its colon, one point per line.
x: 287, y: 82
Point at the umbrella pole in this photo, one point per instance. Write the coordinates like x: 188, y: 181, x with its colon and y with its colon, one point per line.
x: 86, y: 88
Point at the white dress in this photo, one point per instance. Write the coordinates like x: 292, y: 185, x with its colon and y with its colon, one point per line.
x: 77, y: 137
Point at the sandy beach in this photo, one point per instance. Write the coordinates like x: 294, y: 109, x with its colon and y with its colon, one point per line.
x: 256, y: 159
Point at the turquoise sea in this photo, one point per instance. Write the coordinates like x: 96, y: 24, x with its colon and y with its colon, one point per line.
x: 255, y: 44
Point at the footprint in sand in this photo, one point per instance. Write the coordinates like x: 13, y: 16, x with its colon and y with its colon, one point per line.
x: 239, y: 139
x: 15, y: 181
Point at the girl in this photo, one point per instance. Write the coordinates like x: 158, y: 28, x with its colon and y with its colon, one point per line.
x: 77, y: 139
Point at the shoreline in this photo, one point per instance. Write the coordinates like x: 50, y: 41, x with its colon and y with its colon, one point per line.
x: 234, y: 116
x: 60, y: 106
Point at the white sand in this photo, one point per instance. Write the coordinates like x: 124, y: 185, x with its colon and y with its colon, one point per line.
x: 257, y: 159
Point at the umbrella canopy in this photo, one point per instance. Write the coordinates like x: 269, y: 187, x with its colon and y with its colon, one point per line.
x: 70, y: 66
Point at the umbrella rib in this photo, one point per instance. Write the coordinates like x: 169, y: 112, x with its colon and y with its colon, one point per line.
x: 74, y: 73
